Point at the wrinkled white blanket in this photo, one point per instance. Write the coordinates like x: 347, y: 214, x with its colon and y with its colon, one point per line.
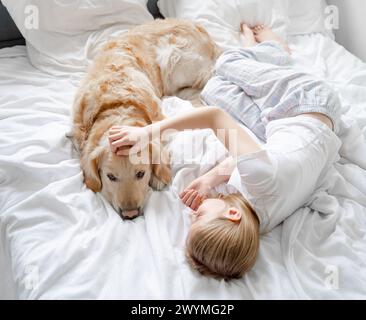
x: 60, y: 240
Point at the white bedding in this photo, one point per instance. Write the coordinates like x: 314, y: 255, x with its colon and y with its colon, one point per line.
x: 60, y: 240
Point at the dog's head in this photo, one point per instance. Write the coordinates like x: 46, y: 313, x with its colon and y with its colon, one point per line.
x: 126, y: 181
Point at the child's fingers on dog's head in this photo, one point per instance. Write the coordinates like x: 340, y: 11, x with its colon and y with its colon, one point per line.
x: 116, y: 128
x: 117, y: 135
x: 112, y: 132
x: 121, y: 142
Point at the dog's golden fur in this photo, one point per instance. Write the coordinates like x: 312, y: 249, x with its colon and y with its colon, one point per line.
x: 124, y: 86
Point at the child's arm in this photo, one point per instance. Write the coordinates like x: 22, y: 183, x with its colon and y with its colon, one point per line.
x: 208, y: 117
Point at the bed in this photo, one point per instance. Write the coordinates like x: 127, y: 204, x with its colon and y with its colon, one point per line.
x: 59, y: 240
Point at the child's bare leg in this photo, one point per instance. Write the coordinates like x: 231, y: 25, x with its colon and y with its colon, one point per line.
x: 262, y: 33
x: 249, y: 37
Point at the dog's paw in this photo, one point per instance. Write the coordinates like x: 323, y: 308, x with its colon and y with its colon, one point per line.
x: 157, y: 184
x: 69, y: 135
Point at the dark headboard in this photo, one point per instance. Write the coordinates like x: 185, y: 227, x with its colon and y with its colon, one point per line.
x: 152, y: 5
x: 10, y: 35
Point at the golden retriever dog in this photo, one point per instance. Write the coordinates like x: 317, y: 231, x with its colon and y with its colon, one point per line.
x: 124, y: 86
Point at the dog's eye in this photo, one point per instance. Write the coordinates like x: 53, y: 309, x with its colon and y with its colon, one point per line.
x: 140, y: 174
x: 111, y: 177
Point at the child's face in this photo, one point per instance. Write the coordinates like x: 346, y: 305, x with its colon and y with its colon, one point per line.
x: 216, y: 208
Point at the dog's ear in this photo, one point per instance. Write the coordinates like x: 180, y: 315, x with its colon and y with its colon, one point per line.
x: 90, y: 166
x: 160, y: 162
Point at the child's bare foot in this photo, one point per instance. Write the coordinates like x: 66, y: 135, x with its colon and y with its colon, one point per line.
x: 263, y: 33
x: 249, y: 38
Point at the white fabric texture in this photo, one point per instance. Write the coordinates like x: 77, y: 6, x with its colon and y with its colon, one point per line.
x: 222, y: 19
x: 282, y: 177
x: 308, y: 16
x: 60, y: 240
x: 63, y: 36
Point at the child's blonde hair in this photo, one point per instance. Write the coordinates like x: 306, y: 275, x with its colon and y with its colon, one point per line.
x: 222, y: 248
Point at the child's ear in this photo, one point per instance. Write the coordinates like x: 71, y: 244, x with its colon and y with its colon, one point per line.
x: 233, y: 214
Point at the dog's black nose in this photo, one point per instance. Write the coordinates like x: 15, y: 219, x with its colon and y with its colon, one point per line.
x: 130, y: 214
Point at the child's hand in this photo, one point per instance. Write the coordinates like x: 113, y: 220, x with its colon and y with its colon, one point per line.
x: 191, y: 199
x: 196, y: 193
x: 125, y: 140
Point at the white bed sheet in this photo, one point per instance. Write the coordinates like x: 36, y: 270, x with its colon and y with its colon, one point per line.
x: 59, y: 240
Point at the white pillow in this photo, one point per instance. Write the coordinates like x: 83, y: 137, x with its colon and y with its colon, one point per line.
x: 307, y: 16
x: 222, y: 18
x: 70, y: 31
